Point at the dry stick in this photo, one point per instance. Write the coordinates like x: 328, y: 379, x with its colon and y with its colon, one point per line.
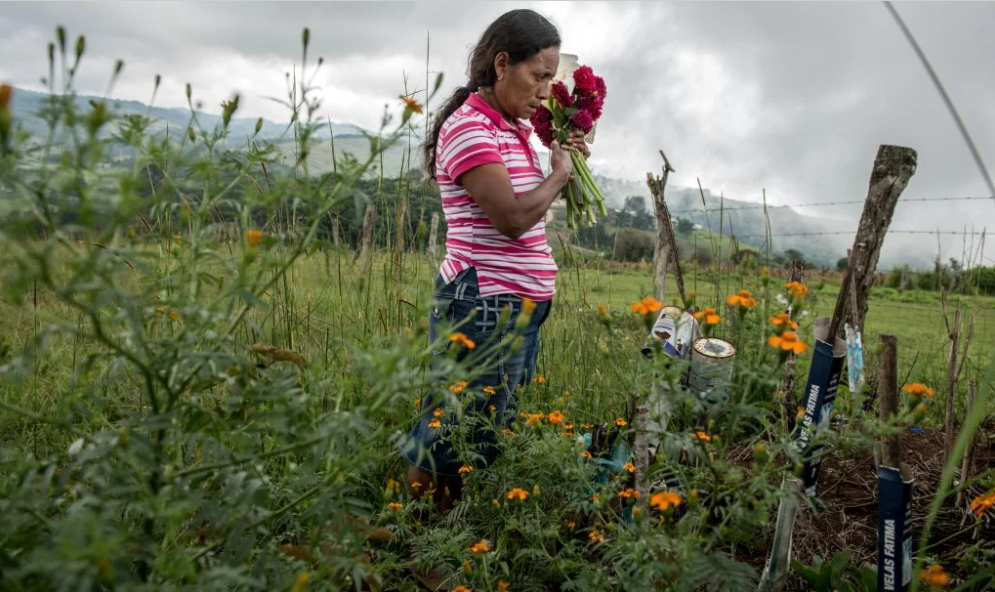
x: 965, y: 468
x: 888, y: 398
x: 948, y: 421
x: 893, y: 167
x: 666, y: 243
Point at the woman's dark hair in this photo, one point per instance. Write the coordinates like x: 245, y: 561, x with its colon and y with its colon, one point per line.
x: 522, y: 34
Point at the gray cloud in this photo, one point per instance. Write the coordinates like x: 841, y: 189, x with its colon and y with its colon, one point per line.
x: 791, y: 97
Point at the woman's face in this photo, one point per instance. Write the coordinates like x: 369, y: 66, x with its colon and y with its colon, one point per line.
x: 524, y: 86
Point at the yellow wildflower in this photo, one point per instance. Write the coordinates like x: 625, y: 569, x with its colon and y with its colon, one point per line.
x: 663, y: 500
x: 518, y: 494
x: 462, y: 339
x: 935, y: 576
x: 410, y: 103
x: 480, y: 547
x: 787, y: 342
x: 983, y: 503
x: 917, y: 388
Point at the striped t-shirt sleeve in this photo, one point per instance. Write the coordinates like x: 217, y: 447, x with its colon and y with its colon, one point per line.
x: 469, y: 143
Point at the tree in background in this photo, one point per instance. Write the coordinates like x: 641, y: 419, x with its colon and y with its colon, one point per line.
x: 842, y: 264
x: 684, y: 226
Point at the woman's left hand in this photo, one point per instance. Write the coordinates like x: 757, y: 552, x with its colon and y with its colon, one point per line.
x: 577, y: 142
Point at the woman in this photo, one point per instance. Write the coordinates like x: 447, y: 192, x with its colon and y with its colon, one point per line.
x: 495, y: 198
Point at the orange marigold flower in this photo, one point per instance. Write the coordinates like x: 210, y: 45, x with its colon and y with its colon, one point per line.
x: 704, y: 437
x: 744, y: 293
x: 417, y: 402
x: 568, y: 426
x: 629, y: 467
x: 585, y: 454
x: 540, y: 379
x: 935, y: 576
x: 435, y: 423
x: 480, y: 547
x: 462, y: 588
x: 5, y: 93
x: 528, y: 306
x: 395, y: 506
x: 463, y: 340
x: 798, y: 290
x: 503, y: 586
x: 629, y: 493
x: 732, y: 300
x: 490, y: 390
x: 253, y: 237
x: 465, y: 469
x: 783, y: 320
x: 458, y: 388
x: 507, y: 432
x: 651, y: 304
x: 787, y: 342
x: 518, y: 494
x: 534, y: 419
x: 640, y: 309
x: 983, y: 503
x: 410, y: 103
x: 602, y: 310
x: 712, y: 319
x: 556, y: 417
x: 663, y: 500
x: 438, y: 412
x: 621, y: 422
x: 588, y: 426
x: 596, y: 536
x: 918, y: 388
x: 493, y: 408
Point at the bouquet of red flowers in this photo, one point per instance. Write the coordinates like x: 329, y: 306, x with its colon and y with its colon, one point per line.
x: 566, y: 112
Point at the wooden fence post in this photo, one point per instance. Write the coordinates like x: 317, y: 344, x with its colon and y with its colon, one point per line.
x: 365, y: 240
x: 893, y: 167
x: 888, y: 397
x: 666, y: 243
x: 433, y: 238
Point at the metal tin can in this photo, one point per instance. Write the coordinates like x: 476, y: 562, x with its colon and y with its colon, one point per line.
x: 675, y: 330
x: 711, y: 369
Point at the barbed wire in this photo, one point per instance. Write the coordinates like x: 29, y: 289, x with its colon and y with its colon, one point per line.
x: 827, y: 204
x: 844, y: 232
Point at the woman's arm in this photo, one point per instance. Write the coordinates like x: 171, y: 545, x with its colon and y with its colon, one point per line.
x: 489, y: 185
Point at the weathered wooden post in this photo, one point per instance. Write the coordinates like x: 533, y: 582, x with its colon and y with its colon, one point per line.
x: 366, y: 240
x: 666, y: 244
x: 894, y: 482
x: 893, y: 167
x: 433, y: 238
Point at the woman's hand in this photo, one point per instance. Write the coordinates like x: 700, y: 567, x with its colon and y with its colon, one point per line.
x: 561, y: 165
x: 576, y: 142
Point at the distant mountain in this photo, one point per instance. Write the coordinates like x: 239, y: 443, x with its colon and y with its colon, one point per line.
x: 26, y: 105
x: 744, y: 219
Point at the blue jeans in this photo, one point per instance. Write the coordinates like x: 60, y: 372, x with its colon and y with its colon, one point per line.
x: 430, y: 449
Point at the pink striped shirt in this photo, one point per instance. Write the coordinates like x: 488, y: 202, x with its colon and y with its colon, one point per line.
x: 474, y: 135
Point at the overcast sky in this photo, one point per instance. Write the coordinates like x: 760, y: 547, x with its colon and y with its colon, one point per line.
x: 791, y: 97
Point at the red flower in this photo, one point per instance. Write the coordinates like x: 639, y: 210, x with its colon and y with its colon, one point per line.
x: 592, y: 104
x: 584, y: 79
x: 561, y: 95
x: 542, y: 123
x: 582, y: 121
